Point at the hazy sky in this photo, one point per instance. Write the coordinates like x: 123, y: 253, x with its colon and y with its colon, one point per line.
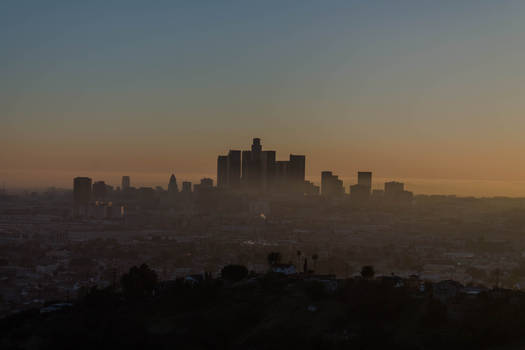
x: 426, y: 90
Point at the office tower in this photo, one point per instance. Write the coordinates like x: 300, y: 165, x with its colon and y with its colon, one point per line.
x: 186, y: 187
x: 126, y: 183
x: 267, y: 169
x: 359, y: 193
x: 222, y: 171
x: 251, y: 166
x: 364, y: 178
x: 256, y: 145
x: 296, y: 168
x: 331, y: 185
x: 99, y: 190
x: 258, y: 170
x: 82, y: 190
x: 257, y: 167
x: 281, y: 174
x: 205, y: 185
x: 206, y: 182
x: 393, y: 190
x: 234, y: 169
x: 172, y: 185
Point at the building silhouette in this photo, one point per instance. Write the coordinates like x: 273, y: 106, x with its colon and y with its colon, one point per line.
x: 173, y: 189
x: 257, y: 167
x: 364, y: 178
x: 186, y: 187
x: 81, y: 195
x: 126, y: 183
x: 257, y: 170
x: 234, y: 169
x: 395, y: 192
x: 361, y: 191
x: 229, y: 170
x: 99, y: 191
x: 222, y: 171
x: 82, y: 190
x: 331, y: 186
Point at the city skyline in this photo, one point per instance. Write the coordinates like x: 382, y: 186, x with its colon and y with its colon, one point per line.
x: 463, y: 187
x: 426, y: 93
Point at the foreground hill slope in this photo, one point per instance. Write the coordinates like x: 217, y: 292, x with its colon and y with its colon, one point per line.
x: 274, y: 311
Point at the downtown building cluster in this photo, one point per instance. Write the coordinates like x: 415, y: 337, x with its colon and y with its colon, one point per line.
x: 258, y: 171
x: 255, y: 171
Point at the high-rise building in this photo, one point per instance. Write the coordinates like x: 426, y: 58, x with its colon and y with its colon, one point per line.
x: 126, y: 183
x: 364, y: 178
x: 393, y: 190
x: 186, y: 187
x: 331, y: 185
x: 359, y: 193
x: 222, y: 171
x: 281, y: 174
x: 82, y: 190
x: 99, y: 190
x: 172, y: 185
x: 229, y: 170
x: 258, y: 170
x: 234, y: 169
x: 206, y: 182
x: 297, y: 168
x: 257, y: 167
x: 267, y: 169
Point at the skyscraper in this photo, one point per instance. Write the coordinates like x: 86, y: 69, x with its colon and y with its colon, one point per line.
x: 126, y: 183
x: 257, y: 167
x: 364, y: 178
x: 99, y: 190
x: 234, y: 169
x: 361, y: 191
x: 331, y: 186
x: 258, y: 170
x: 186, y: 187
x: 172, y: 186
x: 393, y: 190
x: 82, y: 190
x: 206, y: 182
x: 296, y: 169
x: 229, y: 170
x: 222, y: 171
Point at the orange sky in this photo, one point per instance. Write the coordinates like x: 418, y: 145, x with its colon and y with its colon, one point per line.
x: 423, y: 91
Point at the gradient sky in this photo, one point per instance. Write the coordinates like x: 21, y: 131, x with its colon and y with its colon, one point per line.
x: 430, y: 92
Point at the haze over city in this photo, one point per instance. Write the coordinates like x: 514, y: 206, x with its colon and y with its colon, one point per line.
x: 278, y: 174
x: 422, y: 91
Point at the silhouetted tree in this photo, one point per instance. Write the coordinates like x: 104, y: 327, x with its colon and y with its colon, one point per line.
x: 139, y: 281
x: 274, y: 258
x: 234, y: 272
x: 367, y: 271
x: 299, y: 257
